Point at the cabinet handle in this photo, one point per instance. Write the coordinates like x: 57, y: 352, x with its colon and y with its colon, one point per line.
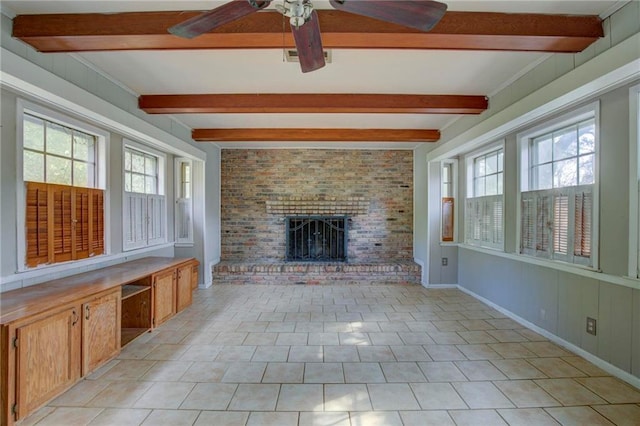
x: 75, y: 317
x: 87, y: 312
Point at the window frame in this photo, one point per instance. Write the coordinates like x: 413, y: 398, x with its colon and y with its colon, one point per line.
x: 23, y: 107
x: 179, y: 163
x: 484, y: 201
x: 634, y: 182
x: 452, y: 165
x: 525, y: 181
x: 160, y: 198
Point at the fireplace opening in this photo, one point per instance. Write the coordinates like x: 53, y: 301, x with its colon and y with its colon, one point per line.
x: 316, y: 239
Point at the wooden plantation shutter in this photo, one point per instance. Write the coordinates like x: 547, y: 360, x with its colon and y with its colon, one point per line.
x: 583, y: 223
x: 447, y: 218
x: 528, y: 223
x: 63, y: 223
x: 156, y: 219
x: 135, y: 208
x: 96, y: 231
x: 183, y: 221
x: 543, y: 223
x: 561, y: 224
x: 62, y: 244
x: 37, y: 220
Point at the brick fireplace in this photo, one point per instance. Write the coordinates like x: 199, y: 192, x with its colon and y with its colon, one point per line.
x: 372, y: 189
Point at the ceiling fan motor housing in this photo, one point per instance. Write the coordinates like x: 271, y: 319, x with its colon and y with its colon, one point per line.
x: 298, y: 11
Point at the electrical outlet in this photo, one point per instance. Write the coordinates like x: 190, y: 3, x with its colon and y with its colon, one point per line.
x: 445, y: 261
x: 591, y: 326
x: 543, y: 314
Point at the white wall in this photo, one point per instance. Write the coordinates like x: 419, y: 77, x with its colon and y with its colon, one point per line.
x: 60, y: 82
x: 554, y: 297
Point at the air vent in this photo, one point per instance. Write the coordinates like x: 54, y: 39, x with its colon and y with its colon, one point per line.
x: 292, y: 56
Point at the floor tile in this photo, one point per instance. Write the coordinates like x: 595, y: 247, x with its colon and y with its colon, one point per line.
x: 516, y: 369
x: 482, y: 395
x: 444, y: 352
x: 392, y: 396
x: 209, y: 396
x: 402, y: 372
x: 479, y: 370
x: 527, y: 417
x: 306, y: 354
x: 426, y: 418
x: 613, y: 390
x: 306, y: 397
x: 363, y: 372
x: 323, y: 339
x: 80, y: 394
x: 444, y: 371
x: 569, y: 392
x: 171, y: 418
x: 272, y: 419
x: 226, y: 418
x: 328, y: 372
x: 347, y: 397
x: 119, y: 394
x: 165, y: 395
x: 410, y: 353
x: 341, y: 354
x: 70, y: 416
x: 271, y: 354
x: 627, y: 414
x: 375, y: 353
x: 279, y: 372
x: 477, y: 418
x: 373, y: 418
x: 245, y: 372
x: 205, y: 372
x: 324, y: 419
x: 578, y: 416
x: 120, y: 417
x: 255, y: 397
x: 437, y: 396
x: 555, y: 367
x: 167, y: 371
x: 525, y: 393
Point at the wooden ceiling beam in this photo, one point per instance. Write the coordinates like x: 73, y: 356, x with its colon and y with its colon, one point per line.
x: 457, y: 30
x: 312, y: 103
x: 315, y: 135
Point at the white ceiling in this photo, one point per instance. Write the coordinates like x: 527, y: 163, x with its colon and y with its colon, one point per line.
x: 351, y: 71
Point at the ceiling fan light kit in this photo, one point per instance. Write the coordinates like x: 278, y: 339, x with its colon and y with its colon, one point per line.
x: 422, y: 15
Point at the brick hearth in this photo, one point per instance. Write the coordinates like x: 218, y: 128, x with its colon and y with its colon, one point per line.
x: 316, y: 273
x: 261, y: 188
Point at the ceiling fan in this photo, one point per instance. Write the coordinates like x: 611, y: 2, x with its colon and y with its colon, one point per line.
x: 418, y: 14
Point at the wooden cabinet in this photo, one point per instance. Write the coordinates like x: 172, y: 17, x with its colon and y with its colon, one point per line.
x: 194, y: 276
x: 164, y: 296
x: 54, y: 333
x: 47, y: 358
x: 184, y: 291
x: 100, y: 330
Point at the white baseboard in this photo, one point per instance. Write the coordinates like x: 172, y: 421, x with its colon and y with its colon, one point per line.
x: 442, y: 286
x: 604, y: 365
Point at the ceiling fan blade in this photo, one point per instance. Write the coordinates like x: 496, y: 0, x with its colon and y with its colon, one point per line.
x: 418, y: 14
x: 309, y: 44
x: 226, y: 13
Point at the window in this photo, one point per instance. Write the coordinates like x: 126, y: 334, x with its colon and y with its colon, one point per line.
x: 64, y: 217
x: 144, y: 213
x: 184, y: 205
x: 557, y: 203
x: 484, y: 204
x: 448, y: 188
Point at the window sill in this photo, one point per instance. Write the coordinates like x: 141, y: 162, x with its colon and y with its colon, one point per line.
x: 183, y: 245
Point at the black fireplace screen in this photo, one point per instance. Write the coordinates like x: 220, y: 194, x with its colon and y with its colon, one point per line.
x: 317, y: 239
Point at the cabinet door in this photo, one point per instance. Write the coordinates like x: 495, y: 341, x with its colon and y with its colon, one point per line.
x: 183, y: 287
x: 164, y: 296
x: 194, y: 276
x: 47, y: 359
x: 100, y: 331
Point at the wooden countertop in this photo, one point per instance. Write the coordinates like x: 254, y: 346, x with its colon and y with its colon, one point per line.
x: 23, y: 302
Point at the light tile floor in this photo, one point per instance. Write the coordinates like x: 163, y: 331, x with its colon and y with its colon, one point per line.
x: 354, y: 355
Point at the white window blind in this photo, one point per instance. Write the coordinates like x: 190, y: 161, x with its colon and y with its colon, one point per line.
x: 184, y: 205
x: 557, y: 224
x: 144, y: 207
x: 484, y: 221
